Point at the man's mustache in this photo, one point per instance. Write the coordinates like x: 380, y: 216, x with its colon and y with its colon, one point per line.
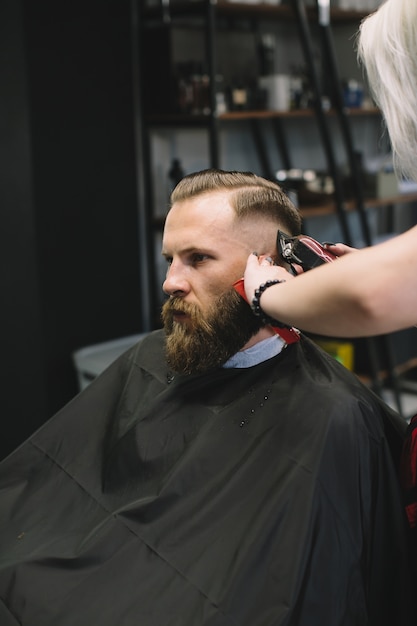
x: 177, y: 304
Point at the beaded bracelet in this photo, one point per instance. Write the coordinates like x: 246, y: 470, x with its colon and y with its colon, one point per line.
x: 256, y: 305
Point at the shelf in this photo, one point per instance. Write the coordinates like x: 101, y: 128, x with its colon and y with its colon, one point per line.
x: 401, y: 198
x: 401, y: 370
x: 297, y: 113
x: 350, y: 205
x: 178, y: 119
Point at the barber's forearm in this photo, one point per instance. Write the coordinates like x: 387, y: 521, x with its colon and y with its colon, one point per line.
x: 316, y: 305
x: 368, y: 292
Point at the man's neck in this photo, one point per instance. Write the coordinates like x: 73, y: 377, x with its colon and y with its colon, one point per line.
x: 263, y: 333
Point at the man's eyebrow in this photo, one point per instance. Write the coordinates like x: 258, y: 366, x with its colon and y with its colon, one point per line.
x: 190, y: 250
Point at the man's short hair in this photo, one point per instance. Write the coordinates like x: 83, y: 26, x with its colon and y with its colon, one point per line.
x: 251, y: 195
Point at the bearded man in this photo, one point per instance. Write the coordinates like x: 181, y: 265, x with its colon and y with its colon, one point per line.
x: 223, y: 471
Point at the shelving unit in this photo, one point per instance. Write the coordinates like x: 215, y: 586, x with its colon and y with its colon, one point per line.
x: 211, y: 13
x: 307, y: 211
x: 210, y: 18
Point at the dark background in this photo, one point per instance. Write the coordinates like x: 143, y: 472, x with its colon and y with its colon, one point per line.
x: 70, y: 273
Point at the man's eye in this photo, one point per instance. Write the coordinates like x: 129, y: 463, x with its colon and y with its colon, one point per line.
x: 199, y: 258
x: 168, y: 260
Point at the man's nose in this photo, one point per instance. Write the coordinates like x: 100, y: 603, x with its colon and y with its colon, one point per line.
x: 176, y: 282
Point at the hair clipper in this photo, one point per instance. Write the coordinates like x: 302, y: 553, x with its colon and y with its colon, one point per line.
x: 302, y: 250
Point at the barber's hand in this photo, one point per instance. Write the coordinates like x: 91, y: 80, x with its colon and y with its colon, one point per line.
x: 260, y: 269
x: 339, y: 249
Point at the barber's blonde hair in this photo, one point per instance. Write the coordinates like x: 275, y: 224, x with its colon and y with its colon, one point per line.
x: 387, y: 45
x: 251, y: 195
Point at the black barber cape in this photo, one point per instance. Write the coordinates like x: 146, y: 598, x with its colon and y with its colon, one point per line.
x: 264, y: 496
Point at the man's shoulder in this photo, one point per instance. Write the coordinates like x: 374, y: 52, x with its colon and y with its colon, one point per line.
x: 148, y: 351
x: 325, y: 369
x: 146, y: 355
x: 353, y: 402
x: 154, y: 338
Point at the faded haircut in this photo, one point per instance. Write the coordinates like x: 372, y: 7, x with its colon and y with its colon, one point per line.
x: 251, y: 196
x: 387, y: 46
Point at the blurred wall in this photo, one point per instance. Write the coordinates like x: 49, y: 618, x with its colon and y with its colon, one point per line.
x: 69, y: 273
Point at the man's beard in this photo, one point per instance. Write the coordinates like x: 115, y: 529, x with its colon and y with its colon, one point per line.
x: 204, y: 342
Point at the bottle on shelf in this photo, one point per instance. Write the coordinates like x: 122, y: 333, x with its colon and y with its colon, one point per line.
x: 175, y: 174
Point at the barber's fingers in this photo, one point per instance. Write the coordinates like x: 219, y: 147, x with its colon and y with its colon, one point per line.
x: 255, y: 260
x: 339, y: 249
x: 252, y: 260
x: 297, y: 269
